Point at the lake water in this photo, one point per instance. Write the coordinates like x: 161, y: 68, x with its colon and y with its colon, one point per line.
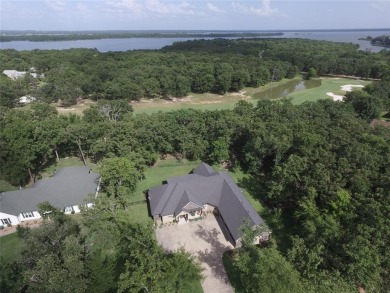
x: 105, y: 45
x: 283, y: 90
x: 341, y: 36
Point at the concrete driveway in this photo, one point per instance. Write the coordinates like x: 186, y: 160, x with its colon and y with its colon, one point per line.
x: 207, y: 242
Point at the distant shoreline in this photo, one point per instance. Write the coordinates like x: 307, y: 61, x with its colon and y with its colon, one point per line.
x: 57, y: 36
x: 154, y: 40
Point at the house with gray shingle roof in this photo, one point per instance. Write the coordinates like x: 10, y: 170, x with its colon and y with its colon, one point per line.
x: 66, y: 190
x: 188, y: 197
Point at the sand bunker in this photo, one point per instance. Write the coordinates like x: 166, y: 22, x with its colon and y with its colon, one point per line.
x: 346, y: 88
x: 335, y: 97
x: 65, y: 109
x: 349, y: 87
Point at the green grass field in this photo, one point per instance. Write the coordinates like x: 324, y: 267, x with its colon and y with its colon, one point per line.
x: 171, y: 167
x: 154, y: 176
x: 65, y: 162
x: 161, y: 171
x: 5, y: 186
x: 209, y: 101
x: 9, y: 248
x: 138, y: 213
x: 328, y: 85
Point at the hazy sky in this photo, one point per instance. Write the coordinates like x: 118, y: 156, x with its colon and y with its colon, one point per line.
x: 193, y: 14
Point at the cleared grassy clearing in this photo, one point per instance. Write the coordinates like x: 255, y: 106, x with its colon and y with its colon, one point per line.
x: 160, y: 172
x: 171, y: 167
x: 208, y: 101
x: 10, y: 247
x: 5, y: 186
x: 332, y: 85
x: 76, y: 109
x: 205, y: 101
x: 66, y: 162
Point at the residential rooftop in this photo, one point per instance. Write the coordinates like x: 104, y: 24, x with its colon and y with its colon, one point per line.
x: 204, y: 186
x: 69, y: 186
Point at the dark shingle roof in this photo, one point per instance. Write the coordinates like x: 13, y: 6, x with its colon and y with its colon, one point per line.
x: 69, y: 186
x: 204, y: 186
x: 203, y: 169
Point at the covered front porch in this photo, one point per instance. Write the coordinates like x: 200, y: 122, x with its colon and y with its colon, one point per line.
x: 185, y: 216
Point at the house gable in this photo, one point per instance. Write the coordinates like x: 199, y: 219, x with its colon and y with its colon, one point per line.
x: 204, y: 186
x: 70, y: 186
x: 190, y: 207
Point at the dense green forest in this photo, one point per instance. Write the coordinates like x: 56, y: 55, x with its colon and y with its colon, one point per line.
x: 319, y: 169
x: 381, y: 41
x: 195, y: 66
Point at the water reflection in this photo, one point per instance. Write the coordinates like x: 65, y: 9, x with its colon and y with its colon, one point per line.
x: 283, y: 90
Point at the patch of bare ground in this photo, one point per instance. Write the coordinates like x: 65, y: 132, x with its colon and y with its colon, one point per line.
x: 76, y: 109
x: 240, y: 94
x: 27, y: 224
x: 195, y: 99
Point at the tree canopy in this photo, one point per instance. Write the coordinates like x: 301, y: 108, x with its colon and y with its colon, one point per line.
x: 321, y: 172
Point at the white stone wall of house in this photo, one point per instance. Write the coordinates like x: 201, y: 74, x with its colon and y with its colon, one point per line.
x: 157, y: 219
x: 76, y: 209
x: 182, y: 217
x: 8, y: 220
x: 185, y: 216
x: 69, y: 210
x: 168, y: 219
x: 208, y: 208
x: 29, y: 216
x: 194, y: 215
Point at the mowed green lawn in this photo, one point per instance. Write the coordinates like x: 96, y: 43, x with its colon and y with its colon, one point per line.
x: 160, y: 172
x: 332, y: 85
x: 138, y: 213
x: 9, y: 248
x: 208, y: 101
x: 171, y: 167
x: 154, y: 176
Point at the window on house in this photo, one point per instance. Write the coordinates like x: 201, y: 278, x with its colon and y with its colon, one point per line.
x: 6, y: 221
x: 68, y: 209
x: 28, y: 215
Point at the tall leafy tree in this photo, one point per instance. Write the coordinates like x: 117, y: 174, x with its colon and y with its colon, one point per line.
x: 53, y: 257
x: 119, y: 178
x: 148, y: 268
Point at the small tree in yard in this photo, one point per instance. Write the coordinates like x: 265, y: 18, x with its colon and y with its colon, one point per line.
x: 119, y: 178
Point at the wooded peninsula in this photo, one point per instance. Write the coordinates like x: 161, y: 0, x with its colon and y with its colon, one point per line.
x: 318, y: 172
x: 64, y: 36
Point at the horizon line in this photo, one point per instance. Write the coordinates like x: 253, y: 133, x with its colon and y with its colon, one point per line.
x: 196, y: 30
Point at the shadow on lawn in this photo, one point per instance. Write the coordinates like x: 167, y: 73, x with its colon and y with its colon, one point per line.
x: 213, y: 256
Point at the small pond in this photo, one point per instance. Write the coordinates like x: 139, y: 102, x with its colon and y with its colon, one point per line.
x: 283, y: 90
